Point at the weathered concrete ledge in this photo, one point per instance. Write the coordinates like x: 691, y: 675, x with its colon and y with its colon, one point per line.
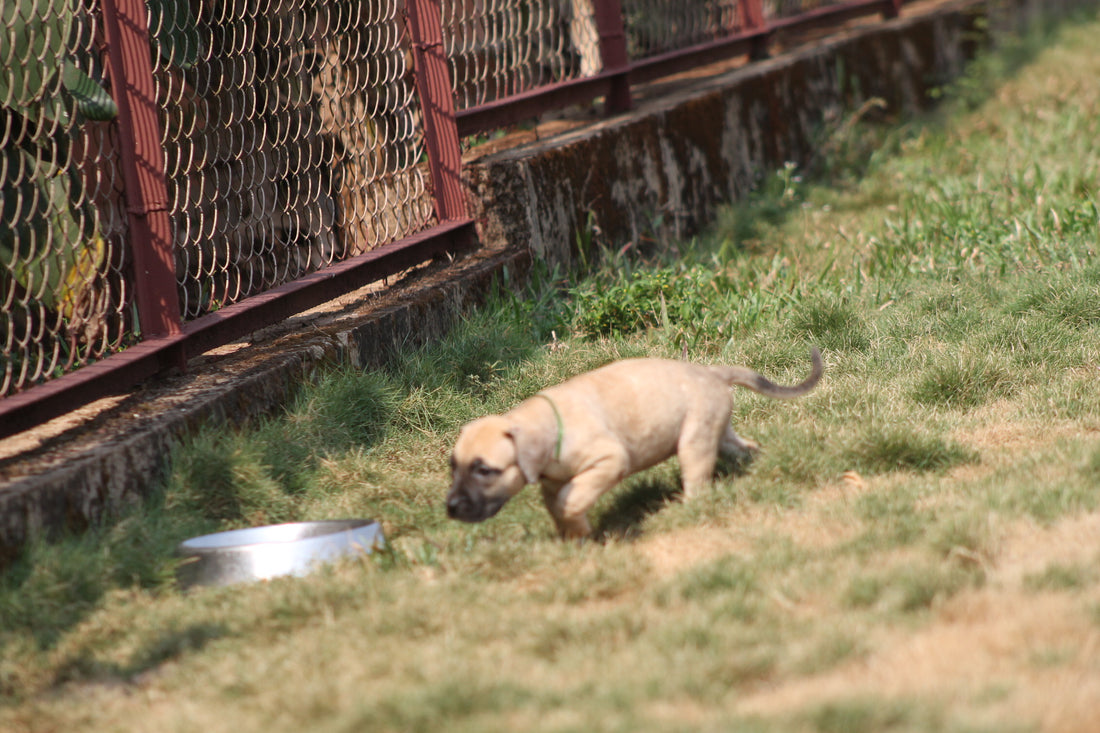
x: 673, y: 160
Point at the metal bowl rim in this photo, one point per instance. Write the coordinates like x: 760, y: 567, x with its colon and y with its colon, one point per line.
x: 326, y: 527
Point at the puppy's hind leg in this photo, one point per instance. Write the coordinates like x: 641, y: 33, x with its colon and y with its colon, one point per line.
x: 698, y: 454
x: 735, y: 453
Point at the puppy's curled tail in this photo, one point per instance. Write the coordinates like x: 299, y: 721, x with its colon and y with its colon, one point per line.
x: 745, y: 377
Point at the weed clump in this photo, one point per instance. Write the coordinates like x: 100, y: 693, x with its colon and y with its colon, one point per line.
x: 912, y: 588
x: 871, y: 716
x: 691, y: 303
x: 1060, y: 577
x: 227, y: 481
x: 634, y: 302
x: 896, y: 448
x: 832, y: 323
x: 964, y: 382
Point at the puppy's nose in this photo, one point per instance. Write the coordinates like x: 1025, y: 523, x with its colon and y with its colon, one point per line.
x: 455, y: 503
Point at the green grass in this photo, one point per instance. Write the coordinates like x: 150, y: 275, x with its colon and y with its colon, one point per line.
x: 946, y: 267
x: 1058, y: 577
x: 869, y: 715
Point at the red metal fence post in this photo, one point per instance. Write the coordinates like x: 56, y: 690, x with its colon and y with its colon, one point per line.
x: 433, y: 83
x: 753, y: 13
x: 126, y: 30
x: 609, y: 24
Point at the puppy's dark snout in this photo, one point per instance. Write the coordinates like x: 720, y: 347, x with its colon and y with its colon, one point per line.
x: 456, y: 503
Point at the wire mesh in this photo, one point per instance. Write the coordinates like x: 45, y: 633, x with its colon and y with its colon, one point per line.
x: 292, y: 137
x: 787, y: 8
x: 656, y: 26
x: 63, y: 299
x: 498, y: 48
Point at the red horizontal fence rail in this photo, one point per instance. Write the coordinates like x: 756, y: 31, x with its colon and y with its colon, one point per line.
x: 27, y: 409
x: 751, y: 41
x: 833, y: 14
x: 168, y: 342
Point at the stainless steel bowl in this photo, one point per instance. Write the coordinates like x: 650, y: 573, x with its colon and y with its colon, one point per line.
x: 259, y: 553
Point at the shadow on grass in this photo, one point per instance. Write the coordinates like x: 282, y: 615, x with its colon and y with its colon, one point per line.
x: 633, y: 503
x: 642, y: 498
x: 164, y: 647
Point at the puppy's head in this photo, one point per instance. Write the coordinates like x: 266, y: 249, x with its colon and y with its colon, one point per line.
x: 485, y: 469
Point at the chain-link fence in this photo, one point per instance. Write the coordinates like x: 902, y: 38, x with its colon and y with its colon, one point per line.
x: 787, y: 8
x: 658, y: 26
x: 63, y: 298
x: 279, y: 138
x: 499, y: 48
x: 292, y: 140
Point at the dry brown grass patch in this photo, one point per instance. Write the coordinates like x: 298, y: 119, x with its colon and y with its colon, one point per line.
x: 1040, y: 648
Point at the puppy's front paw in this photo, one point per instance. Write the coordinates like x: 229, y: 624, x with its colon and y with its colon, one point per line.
x: 576, y: 528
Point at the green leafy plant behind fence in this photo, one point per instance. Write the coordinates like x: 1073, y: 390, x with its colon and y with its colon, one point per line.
x: 53, y: 252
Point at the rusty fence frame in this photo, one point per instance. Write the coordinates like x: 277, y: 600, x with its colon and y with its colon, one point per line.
x: 619, y: 72
x: 168, y: 342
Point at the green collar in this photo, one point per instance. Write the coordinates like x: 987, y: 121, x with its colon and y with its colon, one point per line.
x: 561, y: 425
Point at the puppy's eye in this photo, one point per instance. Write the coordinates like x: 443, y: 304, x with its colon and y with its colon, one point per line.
x: 483, y: 471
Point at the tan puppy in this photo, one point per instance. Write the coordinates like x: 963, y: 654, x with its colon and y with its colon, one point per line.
x: 582, y: 437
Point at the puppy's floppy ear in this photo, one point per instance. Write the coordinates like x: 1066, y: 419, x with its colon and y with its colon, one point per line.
x: 530, y: 455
